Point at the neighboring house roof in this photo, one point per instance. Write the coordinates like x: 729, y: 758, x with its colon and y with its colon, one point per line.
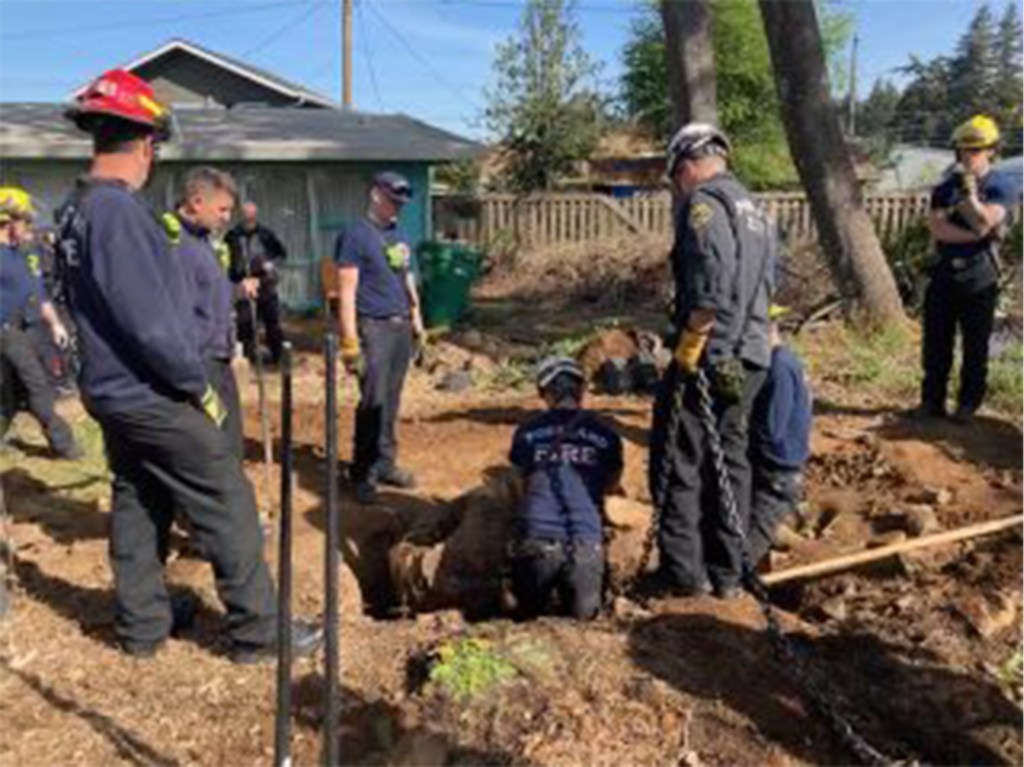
x: 259, y: 76
x: 39, y: 131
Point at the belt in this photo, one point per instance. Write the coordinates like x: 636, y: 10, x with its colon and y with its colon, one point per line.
x: 394, y: 319
x: 959, y: 264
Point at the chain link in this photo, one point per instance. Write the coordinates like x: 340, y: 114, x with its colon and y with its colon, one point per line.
x: 785, y: 651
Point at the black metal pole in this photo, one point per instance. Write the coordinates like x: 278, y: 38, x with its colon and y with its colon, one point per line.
x: 282, y: 724
x: 333, y: 541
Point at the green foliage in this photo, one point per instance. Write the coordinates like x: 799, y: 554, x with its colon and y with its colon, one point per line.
x: 1006, y: 381
x: 876, y: 118
x: 886, y: 360
x: 467, y: 668
x: 545, y: 110
x: 909, y: 254
x: 982, y: 75
x: 747, y: 101
x: 461, y: 176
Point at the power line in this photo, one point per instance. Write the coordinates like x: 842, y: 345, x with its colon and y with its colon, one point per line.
x: 366, y: 54
x: 283, y: 30
x: 416, y: 55
x: 235, y: 10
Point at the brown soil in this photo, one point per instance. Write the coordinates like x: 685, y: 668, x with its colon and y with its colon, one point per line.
x: 688, y: 682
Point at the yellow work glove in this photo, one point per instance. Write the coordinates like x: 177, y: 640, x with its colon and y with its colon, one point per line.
x: 213, y: 407
x: 688, y: 350
x: 352, y: 356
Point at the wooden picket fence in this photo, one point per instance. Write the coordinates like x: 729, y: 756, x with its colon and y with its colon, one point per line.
x: 542, y: 220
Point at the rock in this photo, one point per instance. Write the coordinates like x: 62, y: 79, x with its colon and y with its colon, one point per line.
x: 609, y: 344
x: 933, y: 496
x: 350, y: 595
x: 786, y: 538
x: 920, y: 519
x: 834, y: 609
x: 419, y: 749
x: 455, y: 382
x: 887, y: 539
x: 458, y: 564
x: 987, y: 617
x: 627, y: 609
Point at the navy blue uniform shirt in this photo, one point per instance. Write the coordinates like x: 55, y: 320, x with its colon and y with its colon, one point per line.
x: 130, y: 301
x: 781, y: 416
x: 995, y: 188
x: 214, y: 321
x: 568, y: 459
x: 381, y: 292
x: 723, y: 259
x: 21, y: 291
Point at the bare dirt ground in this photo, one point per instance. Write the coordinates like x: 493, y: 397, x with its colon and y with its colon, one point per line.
x: 917, y: 651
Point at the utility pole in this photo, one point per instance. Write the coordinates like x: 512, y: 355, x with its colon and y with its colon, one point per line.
x: 852, y: 121
x: 346, y: 54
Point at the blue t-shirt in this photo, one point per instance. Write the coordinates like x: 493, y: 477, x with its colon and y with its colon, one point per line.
x: 366, y: 246
x: 781, y: 417
x: 21, y: 291
x: 996, y: 188
x: 130, y: 300
x: 568, y: 459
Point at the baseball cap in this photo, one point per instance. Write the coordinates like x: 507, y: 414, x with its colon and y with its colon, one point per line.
x: 394, y: 185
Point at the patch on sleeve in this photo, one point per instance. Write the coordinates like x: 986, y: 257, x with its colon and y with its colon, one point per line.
x: 700, y: 215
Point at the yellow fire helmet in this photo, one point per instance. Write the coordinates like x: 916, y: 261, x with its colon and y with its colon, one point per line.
x: 15, y: 203
x: 777, y: 311
x: 980, y: 132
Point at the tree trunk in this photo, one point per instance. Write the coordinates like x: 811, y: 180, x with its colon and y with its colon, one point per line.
x: 690, y: 61
x: 826, y: 170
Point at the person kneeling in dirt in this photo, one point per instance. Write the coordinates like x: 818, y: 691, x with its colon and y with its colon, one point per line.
x: 569, y: 459
x: 779, y: 442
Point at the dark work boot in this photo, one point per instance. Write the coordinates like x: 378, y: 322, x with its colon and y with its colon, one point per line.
x: 397, y: 477
x: 306, y: 639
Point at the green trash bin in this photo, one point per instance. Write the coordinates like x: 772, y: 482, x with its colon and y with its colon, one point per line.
x: 448, y: 271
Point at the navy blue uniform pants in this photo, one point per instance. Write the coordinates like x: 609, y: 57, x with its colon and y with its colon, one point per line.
x: 23, y: 384
x: 696, y: 543
x: 167, y: 458
x: 222, y: 378
x: 387, y: 348
x: 949, y: 306
x: 573, y: 569
x: 776, y: 493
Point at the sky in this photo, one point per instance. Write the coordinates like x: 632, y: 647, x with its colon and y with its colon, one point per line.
x: 427, y: 58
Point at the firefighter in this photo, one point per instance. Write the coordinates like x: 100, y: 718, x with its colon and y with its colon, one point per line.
x: 569, y: 460
x: 23, y: 303
x: 380, y: 323
x: 144, y: 381
x: 205, y: 209
x: 968, y: 211
x: 256, y: 252
x: 780, y: 442
x: 722, y: 262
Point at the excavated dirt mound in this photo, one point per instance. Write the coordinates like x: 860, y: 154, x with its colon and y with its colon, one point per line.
x: 916, y: 651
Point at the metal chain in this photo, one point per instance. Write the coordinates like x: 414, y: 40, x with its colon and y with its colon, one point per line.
x: 785, y: 651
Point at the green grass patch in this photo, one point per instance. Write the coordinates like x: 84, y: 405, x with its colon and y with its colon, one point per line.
x: 1006, y: 381
x: 468, y: 668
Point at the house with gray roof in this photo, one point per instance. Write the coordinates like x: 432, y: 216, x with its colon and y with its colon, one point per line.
x: 304, y: 160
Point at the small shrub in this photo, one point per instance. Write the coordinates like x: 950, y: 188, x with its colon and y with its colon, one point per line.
x: 1006, y: 381
x: 467, y: 668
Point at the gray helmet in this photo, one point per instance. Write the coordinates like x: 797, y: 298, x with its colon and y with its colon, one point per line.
x: 549, y: 369
x: 694, y: 140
